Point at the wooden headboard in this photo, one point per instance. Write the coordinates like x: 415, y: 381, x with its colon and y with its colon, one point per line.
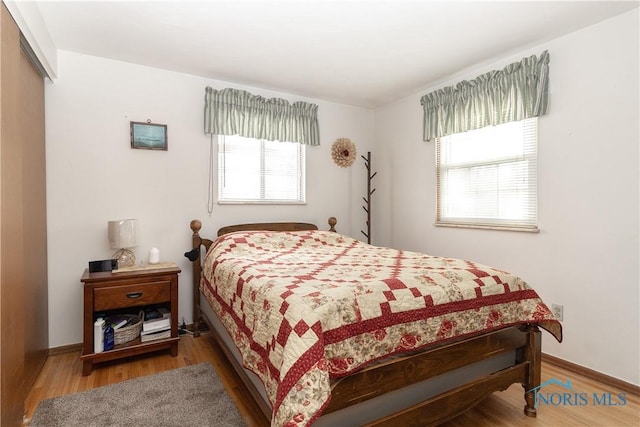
x: 199, y: 242
x: 275, y: 226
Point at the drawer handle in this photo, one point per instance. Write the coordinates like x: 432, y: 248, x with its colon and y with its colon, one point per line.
x: 134, y: 295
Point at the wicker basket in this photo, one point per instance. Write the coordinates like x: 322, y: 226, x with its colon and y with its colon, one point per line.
x: 131, y: 332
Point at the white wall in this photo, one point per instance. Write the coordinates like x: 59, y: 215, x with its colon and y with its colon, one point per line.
x: 586, y: 254
x: 94, y: 176
x: 585, y: 257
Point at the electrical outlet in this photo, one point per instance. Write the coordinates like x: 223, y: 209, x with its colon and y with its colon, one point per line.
x: 557, y: 311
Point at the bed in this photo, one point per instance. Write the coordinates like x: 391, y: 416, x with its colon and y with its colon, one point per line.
x: 324, y: 329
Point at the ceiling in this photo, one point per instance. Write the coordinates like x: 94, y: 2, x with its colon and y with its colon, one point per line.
x: 361, y: 53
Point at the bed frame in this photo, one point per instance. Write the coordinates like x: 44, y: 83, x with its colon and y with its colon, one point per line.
x: 386, y: 377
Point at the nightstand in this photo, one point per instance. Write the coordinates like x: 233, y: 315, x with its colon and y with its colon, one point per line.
x: 114, y: 292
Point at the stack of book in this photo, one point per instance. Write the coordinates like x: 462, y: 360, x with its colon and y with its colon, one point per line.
x: 156, y: 329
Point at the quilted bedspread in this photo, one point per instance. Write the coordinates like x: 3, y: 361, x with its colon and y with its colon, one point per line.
x: 307, y: 306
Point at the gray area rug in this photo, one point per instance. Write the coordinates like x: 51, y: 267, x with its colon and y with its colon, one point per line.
x: 189, y: 396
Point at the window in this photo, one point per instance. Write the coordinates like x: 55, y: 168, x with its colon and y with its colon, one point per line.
x: 258, y: 171
x: 487, y: 177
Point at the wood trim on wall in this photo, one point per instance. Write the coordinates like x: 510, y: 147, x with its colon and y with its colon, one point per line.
x: 65, y: 349
x: 592, y: 375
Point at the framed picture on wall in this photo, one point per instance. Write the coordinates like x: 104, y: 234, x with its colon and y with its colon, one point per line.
x: 149, y: 136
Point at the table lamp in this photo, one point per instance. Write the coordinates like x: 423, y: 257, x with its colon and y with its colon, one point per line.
x: 123, y: 234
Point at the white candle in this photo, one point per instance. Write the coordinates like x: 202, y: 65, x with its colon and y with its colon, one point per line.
x: 154, y: 256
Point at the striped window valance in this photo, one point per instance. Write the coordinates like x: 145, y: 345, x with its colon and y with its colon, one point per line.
x: 517, y: 92
x: 238, y: 112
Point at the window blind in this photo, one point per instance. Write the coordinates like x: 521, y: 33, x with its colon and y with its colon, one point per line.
x: 487, y: 177
x: 260, y: 171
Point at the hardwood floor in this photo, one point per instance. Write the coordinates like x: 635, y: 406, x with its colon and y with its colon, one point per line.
x: 62, y: 374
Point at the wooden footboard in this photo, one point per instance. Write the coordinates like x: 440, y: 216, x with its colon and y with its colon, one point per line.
x: 399, y: 372
x: 396, y: 373
x: 448, y: 405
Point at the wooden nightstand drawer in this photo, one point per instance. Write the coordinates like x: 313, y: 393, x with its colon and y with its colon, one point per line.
x: 114, y: 297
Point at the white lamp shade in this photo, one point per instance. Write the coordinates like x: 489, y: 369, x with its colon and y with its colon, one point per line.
x: 123, y: 233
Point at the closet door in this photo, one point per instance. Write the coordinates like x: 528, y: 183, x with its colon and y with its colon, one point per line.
x: 34, y: 215
x: 12, y: 304
x: 23, y: 262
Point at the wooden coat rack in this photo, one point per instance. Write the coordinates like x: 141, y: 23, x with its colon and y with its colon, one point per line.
x: 367, y: 199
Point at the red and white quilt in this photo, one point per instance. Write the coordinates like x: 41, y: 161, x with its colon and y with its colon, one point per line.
x: 307, y: 306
